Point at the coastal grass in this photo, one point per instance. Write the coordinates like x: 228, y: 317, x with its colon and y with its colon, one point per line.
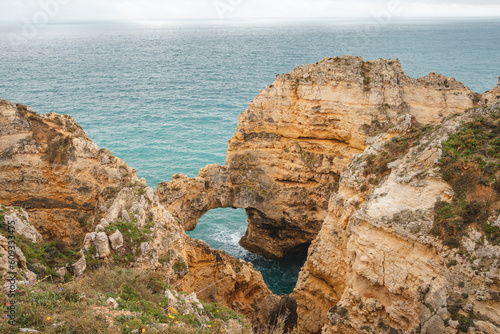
x: 44, y: 256
x: 471, y: 165
x: 133, y: 237
x: 79, y: 306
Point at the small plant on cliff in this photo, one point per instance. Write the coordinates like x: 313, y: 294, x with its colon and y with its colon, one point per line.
x: 165, y: 259
x: 132, y: 233
x: 133, y: 237
x: 179, y: 266
x: 60, y: 151
x: 42, y: 257
x: 377, y: 165
x: 311, y: 159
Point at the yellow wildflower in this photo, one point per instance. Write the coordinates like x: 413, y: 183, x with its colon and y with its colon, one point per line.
x: 172, y: 310
x: 48, y: 318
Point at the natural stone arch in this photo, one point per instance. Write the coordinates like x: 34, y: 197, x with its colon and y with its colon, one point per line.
x: 269, y: 232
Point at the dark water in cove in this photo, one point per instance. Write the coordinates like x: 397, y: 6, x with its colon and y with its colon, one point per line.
x: 165, y: 97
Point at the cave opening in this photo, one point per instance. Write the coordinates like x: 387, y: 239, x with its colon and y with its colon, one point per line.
x: 223, y: 229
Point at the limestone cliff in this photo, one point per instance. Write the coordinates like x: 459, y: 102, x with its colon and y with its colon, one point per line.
x: 151, y: 239
x: 410, y: 243
x: 408, y: 235
x: 295, y: 139
x: 54, y: 171
x: 74, y: 192
x: 15, y: 222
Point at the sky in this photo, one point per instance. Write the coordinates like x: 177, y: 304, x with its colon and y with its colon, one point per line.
x: 39, y: 11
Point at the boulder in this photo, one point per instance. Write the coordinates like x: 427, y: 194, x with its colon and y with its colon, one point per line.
x: 116, y: 240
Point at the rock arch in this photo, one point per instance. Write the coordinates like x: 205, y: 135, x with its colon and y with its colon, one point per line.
x: 296, y: 137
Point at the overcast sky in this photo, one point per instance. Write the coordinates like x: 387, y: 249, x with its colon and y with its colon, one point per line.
x: 235, y: 9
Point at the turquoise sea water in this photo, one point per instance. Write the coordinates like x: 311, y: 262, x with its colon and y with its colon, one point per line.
x: 165, y: 96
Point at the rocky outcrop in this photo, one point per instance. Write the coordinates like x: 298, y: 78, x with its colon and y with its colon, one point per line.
x: 55, y: 172
x: 19, y: 220
x: 295, y: 139
x: 354, y: 149
x: 388, y: 181
x: 380, y: 264
x: 151, y: 239
x: 14, y: 222
x: 492, y: 96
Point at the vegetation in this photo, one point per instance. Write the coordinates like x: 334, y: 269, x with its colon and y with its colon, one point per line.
x: 60, y: 151
x: 132, y: 233
x: 456, y: 308
x: 79, y: 306
x: 377, y: 165
x: 471, y: 164
x: 179, y: 266
x: 311, y: 160
x: 44, y: 256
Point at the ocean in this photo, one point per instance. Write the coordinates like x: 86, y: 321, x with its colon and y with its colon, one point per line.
x: 165, y: 96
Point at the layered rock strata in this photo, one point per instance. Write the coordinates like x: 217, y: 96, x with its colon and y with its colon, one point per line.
x: 54, y: 171
x: 295, y: 139
x: 347, y: 155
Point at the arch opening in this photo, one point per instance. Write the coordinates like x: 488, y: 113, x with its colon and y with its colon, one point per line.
x: 223, y: 228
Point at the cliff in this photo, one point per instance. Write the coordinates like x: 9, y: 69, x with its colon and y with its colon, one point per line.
x: 55, y: 172
x: 410, y: 242
x: 83, y: 208
x: 348, y: 155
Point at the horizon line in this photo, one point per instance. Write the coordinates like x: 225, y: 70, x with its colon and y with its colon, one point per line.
x: 399, y: 18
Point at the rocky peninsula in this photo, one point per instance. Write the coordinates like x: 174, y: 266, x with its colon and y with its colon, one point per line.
x: 389, y: 184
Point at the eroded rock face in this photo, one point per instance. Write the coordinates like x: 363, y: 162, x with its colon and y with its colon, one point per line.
x: 378, y: 264
x: 54, y: 171
x: 297, y: 136
x: 18, y: 218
